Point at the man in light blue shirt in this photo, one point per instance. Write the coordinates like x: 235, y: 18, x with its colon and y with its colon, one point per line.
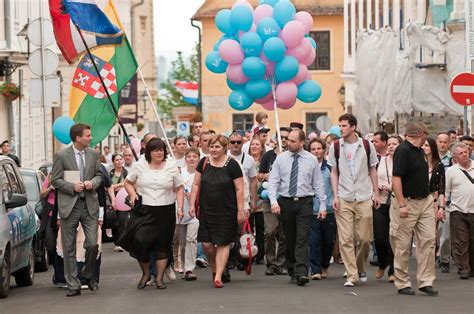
x: 294, y: 180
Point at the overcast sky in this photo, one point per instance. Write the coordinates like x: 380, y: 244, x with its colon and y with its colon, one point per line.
x: 173, y: 30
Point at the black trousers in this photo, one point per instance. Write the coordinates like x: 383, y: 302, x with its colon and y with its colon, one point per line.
x: 296, y: 220
x: 118, y: 231
x: 381, y: 218
x: 256, y: 221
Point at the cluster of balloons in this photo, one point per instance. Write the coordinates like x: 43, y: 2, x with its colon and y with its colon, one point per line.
x: 62, y: 128
x: 265, y: 54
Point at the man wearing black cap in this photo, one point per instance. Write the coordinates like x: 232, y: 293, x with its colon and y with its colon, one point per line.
x: 262, y: 134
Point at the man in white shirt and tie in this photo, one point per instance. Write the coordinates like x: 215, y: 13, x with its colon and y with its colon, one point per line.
x: 294, y: 180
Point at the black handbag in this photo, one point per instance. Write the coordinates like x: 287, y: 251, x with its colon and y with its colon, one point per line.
x: 138, y: 202
x: 110, y: 219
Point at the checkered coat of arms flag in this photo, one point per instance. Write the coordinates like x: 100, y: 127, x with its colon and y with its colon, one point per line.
x: 86, y: 79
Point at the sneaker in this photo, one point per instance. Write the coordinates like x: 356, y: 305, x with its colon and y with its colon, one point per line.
x: 444, y: 268
x: 349, y: 283
x: 169, y: 273
x: 61, y: 285
x: 391, y: 278
x: 379, y: 273
x: 324, y: 274
x: 152, y: 281
x: 118, y: 249
x: 316, y: 277
x: 363, y: 277
x: 344, y: 275
x: 201, y: 262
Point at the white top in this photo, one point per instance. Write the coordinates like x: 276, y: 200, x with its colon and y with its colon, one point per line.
x: 181, y: 163
x: 351, y: 156
x: 246, y: 147
x: 384, y: 177
x: 108, y: 158
x: 188, y: 179
x: 156, y: 186
x: 460, y: 189
x: 247, y: 163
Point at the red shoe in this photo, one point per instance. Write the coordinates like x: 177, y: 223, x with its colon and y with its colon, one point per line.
x: 218, y: 284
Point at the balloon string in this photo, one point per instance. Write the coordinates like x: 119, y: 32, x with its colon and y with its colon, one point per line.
x: 275, y: 109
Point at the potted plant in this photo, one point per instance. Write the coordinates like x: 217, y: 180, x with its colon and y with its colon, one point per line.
x: 10, y: 91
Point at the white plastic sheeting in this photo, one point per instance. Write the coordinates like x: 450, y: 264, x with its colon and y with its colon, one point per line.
x: 388, y: 80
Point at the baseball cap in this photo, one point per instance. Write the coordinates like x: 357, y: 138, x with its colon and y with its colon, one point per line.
x: 260, y: 129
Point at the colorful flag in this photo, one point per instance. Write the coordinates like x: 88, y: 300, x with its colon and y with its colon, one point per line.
x: 88, y: 101
x: 96, y: 27
x: 189, y: 90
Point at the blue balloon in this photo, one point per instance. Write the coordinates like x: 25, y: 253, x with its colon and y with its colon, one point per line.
x: 223, y: 22
x: 286, y: 69
x: 268, y: 28
x: 258, y: 88
x: 241, y: 18
x: 335, y: 130
x: 283, y: 12
x: 264, y: 195
x: 253, y: 68
x: 309, y: 91
x: 239, y: 100
x: 274, y: 49
x: 215, y: 63
x: 234, y: 86
x: 61, y: 129
x: 313, y: 42
x: 251, y: 44
x: 269, y: 2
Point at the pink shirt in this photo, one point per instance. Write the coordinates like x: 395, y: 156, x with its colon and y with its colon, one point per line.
x: 51, y: 195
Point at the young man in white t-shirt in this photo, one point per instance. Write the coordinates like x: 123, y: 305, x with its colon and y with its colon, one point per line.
x: 355, y: 188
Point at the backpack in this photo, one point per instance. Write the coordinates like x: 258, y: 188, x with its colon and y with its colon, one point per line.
x: 337, y: 152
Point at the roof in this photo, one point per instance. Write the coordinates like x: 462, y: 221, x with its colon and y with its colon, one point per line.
x: 210, y: 8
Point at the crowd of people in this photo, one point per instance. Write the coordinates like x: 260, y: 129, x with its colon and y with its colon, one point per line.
x: 310, y: 200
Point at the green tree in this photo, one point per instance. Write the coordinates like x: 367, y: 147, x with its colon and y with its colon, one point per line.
x: 182, y: 69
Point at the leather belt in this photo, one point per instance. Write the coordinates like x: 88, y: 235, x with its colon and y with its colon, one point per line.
x: 295, y: 198
x: 417, y: 197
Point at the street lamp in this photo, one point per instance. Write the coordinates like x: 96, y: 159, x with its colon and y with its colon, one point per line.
x: 341, y: 94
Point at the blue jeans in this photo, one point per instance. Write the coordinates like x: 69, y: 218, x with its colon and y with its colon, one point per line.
x: 321, y: 242
x: 200, y: 252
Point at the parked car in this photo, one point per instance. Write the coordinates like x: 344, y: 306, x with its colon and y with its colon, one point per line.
x: 33, y: 180
x: 46, y: 168
x: 17, y: 229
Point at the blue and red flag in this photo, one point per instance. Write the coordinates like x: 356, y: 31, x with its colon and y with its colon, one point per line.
x: 89, y: 16
x: 189, y: 90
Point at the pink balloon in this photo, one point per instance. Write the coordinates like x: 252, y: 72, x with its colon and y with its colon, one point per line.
x: 262, y: 11
x: 292, y: 34
x: 136, y: 145
x: 301, y: 76
x: 310, y: 58
x: 309, y: 76
x: 231, y: 52
x: 265, y: 99
x: 269, y: 65
x: 120, y: 200
x: 306, y: 19
x: 244, y: 3
x: 269, y: 105
x: 286, y: 93
x: 235, y: 74
x: 287, y: 106
x: 301, y: 51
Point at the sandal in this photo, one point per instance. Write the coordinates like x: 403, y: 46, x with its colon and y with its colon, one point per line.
x: 218, y: 284
x: 189, y: 276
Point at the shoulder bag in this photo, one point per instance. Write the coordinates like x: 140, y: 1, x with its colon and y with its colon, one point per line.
x: 248, y: 250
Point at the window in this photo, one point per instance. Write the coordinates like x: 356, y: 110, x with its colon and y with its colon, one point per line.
x: 242, y: 121
x: 311, y: 122
x: 14, y: 184
x: 6, y: 191
x: 323, y: 52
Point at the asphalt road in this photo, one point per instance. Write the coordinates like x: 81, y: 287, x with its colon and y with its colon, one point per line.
x: 245, y: 294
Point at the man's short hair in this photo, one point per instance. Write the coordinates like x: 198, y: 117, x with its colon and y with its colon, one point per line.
x: 6, y: 142
x: 383, y: 135
x: 451, y: 132
x: 415, y: 128
x: 204, y: 133
x: 349, y: 117
x: 458, y: 145
x: 317, y: 140
x: 442, y: 133
x: 467, y: 138
x: 177, y: 138
x: 236, y: 133
x: 301, y: 134
x: 78, y: 130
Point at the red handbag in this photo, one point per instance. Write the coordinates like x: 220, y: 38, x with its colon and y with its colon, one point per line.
x: 197, y: 205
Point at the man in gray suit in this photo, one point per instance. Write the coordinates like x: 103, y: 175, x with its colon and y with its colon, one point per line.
x: 76, y: 176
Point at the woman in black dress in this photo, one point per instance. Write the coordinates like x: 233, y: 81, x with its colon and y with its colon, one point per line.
x: 151, y: 226
x: 219, y: 182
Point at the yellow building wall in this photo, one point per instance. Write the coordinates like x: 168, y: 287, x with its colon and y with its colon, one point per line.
x: 219, y: 116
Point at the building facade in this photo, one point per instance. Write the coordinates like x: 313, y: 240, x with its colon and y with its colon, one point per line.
x: 328, y: 29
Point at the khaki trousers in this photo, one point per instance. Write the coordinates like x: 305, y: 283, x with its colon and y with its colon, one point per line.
x: 354, y: 219
x: 421, y: 220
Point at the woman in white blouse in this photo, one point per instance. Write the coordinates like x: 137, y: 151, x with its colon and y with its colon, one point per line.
x: 151, y: 226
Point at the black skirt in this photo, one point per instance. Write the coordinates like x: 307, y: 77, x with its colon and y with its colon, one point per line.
x: 150, y: 230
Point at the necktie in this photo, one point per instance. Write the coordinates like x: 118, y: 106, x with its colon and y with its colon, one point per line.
x: 81, y: 166
x: 294, y: 176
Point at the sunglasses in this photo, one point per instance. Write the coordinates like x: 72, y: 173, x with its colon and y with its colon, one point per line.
x: 236, y: 142
x: 284, y: 138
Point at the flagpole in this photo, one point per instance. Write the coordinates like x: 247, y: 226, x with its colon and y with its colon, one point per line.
x: 153, y: 105
x: 89, y: 53
x: 277, y: 122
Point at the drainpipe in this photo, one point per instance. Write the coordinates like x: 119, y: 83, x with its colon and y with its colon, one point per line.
x: 132, y: 20
x: 200, y: 66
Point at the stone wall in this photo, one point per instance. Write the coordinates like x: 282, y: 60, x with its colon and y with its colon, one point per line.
x: 435, y: 122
